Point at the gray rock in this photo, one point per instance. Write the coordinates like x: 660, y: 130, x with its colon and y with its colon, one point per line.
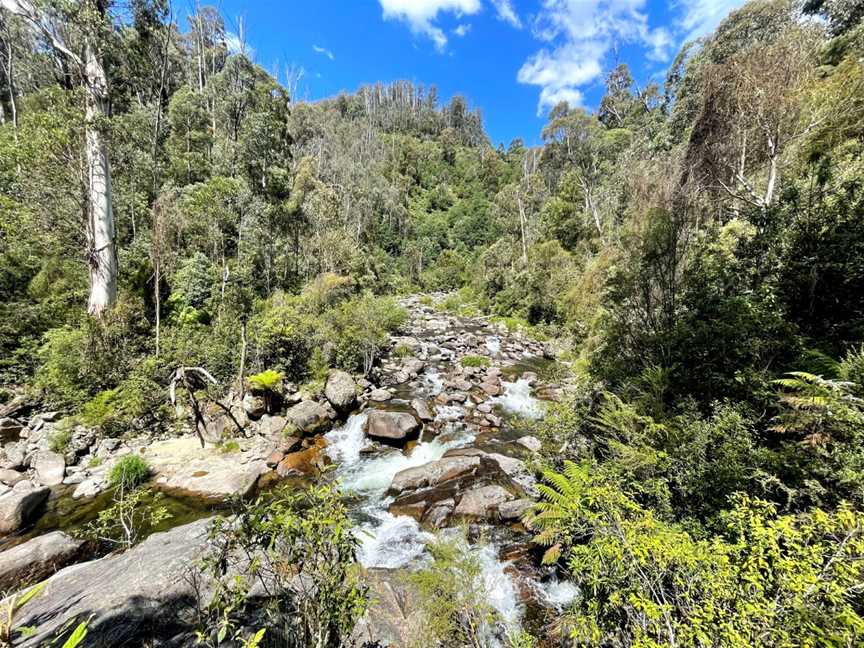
x: 35, y: 559
x: 392, y: 618
x: 391, y: 426
x: 18, y: 507
x: 434, y: 473
x: 213, y: 478
x: 13, y: 456
x: 482, y: 502
x: 90, y: 487
x: 531, y: 442
x: 11, y: 477
x: 423, y: 409
x: 341, y: 391
x: 308, y: 417
x: 380, y: 395
x: 272, y: 426
x: 512, y: 511
x: 139, y: 597
x: 254, y: 406
x: 50, y: 468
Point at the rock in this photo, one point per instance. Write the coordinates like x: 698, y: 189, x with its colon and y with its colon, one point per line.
x: 423, y: 410
x: 304, y: 462
x: 50, y: 468
x: 513, y: 510
x: 413, y: 366
x: 482, y: 502
x: 401, y: 377
x: 380, y: 395
x: 531, y: 442
x: 90, y: 487
x: 391, y: 426
x: 18, y: 507
x: 341, y: 391
x: 138, y: 597
x: 485, y: 408
x: 272, y: 426
x: 216, y: 477
x: 254, y: 406
x: 13, y: 456
x: 35, y: 559
x: 491, y: 389
x: 392, y: 618
x: 461, y: 384
x: 10, y: 428
x: 11, y: 477
x: 434, y: 473
x: 530, y: 377
x: 308, y: 417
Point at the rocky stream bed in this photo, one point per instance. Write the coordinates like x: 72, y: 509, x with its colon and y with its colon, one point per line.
x: 427, y: 443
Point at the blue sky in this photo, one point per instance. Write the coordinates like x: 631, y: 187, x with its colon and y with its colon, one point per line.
x: 512, y: 58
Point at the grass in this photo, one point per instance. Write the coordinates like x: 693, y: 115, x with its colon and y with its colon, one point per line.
x: 229, y: 447
x: 475, y: 361
x: 130, y: 471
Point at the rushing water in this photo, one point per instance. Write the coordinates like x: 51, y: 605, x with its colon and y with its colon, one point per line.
x: 517, y: 399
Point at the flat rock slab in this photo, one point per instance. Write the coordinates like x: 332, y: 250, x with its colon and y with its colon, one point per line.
x: 33, y: 560
x: 50, y: 468
x: 213, y: 478
x: 140, y: 597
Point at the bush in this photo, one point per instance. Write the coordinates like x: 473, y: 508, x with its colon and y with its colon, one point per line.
x: 59, y: 439
x: 134, y: 513
x: 130, y: 471
x: 135, y: 402
x: 266, y: 381
x: 358, y: 330
x: 304, y: 543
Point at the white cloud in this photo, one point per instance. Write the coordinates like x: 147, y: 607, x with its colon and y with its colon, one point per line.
x: 505, y: 12
x: 700, y: 17
x: 580, y: 34
x: 323, y: 51
x: 462, y: 30
x: 421, y: 15
x: 236, y: 46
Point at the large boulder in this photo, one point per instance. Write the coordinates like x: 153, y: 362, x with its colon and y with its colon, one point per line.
x: 50, y: 468
x: 10, y: 428
x: 213, y: 477
x: 341, y: 391
x: 392, y: 618
x: 471, y: 485
x: 139, y: 597
x: 308, y: 417
x: 392, y: 426
x: 35, y: 559
x: 423, y: 410
x: 18, y: 507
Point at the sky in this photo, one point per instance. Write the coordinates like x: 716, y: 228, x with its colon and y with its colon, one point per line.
x: 514, y: 59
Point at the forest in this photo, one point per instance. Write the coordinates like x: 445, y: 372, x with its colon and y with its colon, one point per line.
x: 185, y: 246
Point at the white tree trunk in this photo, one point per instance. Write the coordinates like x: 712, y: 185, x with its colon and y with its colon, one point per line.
x: 100, y: 225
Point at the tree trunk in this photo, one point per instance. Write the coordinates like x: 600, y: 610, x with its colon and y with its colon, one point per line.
x: 100, y: 226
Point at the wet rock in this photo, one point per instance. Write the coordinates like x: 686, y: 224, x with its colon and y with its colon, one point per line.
x: 50, y: 468
x: 491, y: 389
x: 413, y: 366
x: 530, y: 377
x: 392, y: 619
x: 434, y: 473
x: 19, y: 507
x: 135, y: 597
x: 35, y: 559
x: 457, y: 397
x: 531, y: 442
x: 391, y: 426
x: 309, y: 417
x: 11, y: 477
x: 304, y: 462
x: 482, y: 502
x: 341, y: 391
x: 423, y: 409
x: 255, y: 406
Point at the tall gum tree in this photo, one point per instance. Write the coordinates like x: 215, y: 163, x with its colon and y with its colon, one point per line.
x: 86, y: 63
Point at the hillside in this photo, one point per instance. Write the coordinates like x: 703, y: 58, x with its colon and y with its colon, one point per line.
x: 604, y: 391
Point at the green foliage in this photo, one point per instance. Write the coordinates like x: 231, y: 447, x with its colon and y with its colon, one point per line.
x: 59, y: 439
x: 475, y: 361
x: 130, y: 471
x: 304, y: 548
x: 134, y: 513
x: 782, y: 579
x: 453, y: 597
x: 266, y: 381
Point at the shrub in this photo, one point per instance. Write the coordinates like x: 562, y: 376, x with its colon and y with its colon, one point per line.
x: 133, y: 403
x: 135, y: 512
x: 304, y: 543
x: 266, y: 381
x: 130, y: 471
x: 402, y: 351
x: 475, y: 361
x: 326, y: 291
x: 358, y: 330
